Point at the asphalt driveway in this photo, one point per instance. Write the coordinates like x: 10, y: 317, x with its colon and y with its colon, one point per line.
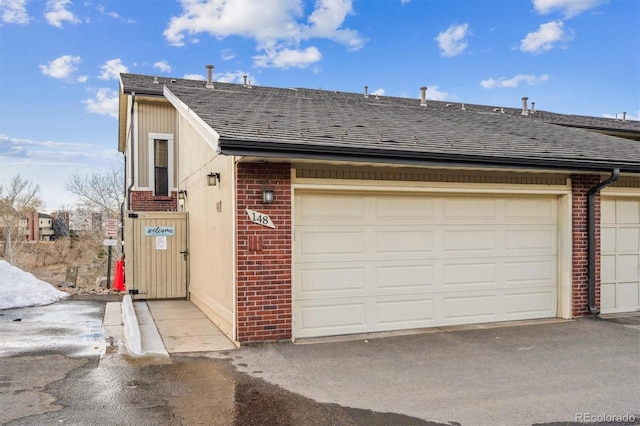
x: 558, y: 372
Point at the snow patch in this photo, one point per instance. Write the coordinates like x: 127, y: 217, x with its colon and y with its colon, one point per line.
x: 19, y: 288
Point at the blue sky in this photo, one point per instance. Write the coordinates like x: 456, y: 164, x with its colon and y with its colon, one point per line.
x: 60, y: 59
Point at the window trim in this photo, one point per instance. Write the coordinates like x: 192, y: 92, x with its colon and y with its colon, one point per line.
x: 170, y: 167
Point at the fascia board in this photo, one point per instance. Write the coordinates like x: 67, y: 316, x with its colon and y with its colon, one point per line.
x: 208, y: 134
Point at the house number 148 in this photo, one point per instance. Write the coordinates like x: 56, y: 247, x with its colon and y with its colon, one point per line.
x: 260, y: 218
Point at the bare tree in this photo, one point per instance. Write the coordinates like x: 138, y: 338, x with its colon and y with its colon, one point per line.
x: 101, y: 192
x: 17, y: 199
x: 100, y: 195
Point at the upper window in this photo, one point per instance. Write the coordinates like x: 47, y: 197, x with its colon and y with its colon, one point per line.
x: 161, y: 167
x: 161, y: 163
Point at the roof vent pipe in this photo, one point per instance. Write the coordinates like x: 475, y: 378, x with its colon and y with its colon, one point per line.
x: 210, y: 77
x: 533, y: 107
x: 155, y: 79
x: 524, y: 106
x: 624, y: 117
x: 244, y: 78
x: 423, y: 96
x: 591, y: 240
x: 366, y: 91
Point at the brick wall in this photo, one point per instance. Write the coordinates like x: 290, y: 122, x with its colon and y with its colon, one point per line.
x: 580, y: 186
x: 145, y: 201
x: 264, y: 255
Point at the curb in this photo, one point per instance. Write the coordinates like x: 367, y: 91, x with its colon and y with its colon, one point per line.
x: 132, y: 337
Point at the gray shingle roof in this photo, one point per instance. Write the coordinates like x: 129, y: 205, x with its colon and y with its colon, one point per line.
x: 306, y: 123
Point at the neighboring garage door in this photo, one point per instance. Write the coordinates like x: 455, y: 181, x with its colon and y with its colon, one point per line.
x: 620, y: 255
x: 374, y: 262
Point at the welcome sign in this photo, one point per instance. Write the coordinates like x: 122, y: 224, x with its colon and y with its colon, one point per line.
x: 159, y: 231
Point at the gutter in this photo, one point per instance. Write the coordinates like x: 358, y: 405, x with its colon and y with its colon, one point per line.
x: 255, y: 148
x: 591, y: 240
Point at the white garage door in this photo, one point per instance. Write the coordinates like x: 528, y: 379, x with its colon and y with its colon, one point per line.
x: 375, y: 262
x: 620, y: 255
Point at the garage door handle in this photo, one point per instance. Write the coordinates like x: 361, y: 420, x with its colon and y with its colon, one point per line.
x: 185, y: 254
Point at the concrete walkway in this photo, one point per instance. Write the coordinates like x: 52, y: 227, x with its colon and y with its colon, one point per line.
x: 160, y: 328
x: 184, y: 328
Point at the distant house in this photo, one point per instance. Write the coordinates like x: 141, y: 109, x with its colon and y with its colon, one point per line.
x: 317, y: 213
x: 39, y: 227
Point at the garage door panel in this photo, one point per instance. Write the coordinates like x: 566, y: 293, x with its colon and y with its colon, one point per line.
x: 628, y: 240
x: 608, y: 269
x: 334, y: 242
x: 476, y: 208
x: 400, y: 242
x: 406, y: 209
x: 406, y: 313
x: 408, y: 277
x: 544, y: 239
x: 539, y: 272
x: 627, y: 267
x: 469, y: 240
x: 607, y: 296
x: 469, y: 275
x: 627, y: 212
x: 470, y: 308
x: 317, y: 319
x: 609, y: 240
x: 314, y: 208
x: 535, y: 210
x: 520, y: 305
x: 333, y: 281
x: 627, y: 295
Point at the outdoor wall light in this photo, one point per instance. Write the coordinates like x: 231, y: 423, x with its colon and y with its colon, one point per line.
x: 267, y: 196
x: 182, y: 194
x: 213, y: 179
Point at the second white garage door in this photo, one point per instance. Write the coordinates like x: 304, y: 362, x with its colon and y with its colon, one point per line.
x: 620, y: 255
x: 375, y: 262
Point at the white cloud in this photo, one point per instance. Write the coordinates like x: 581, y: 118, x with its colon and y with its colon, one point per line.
x: 434, y: 94
x: 104, y: 102
x: 57, y: 13
x: 326, y: 21
x: 234, y: 77
x: 452, y: 41
x: 163, y: 66
x: 277, y: 30
x: 620, y: 115
x: 228, y: 54
x: 14, y: 11
x: 514, y: 82
x: 103, y: 10
x: 63, y: 68
x: 111, y: 69
x: 194, y: 77
x: 378, y: 92
x: 546, y: 38
x: 569, y: 8
x: 288, y: 58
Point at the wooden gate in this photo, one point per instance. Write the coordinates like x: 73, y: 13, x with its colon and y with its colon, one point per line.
x: 156, y: 264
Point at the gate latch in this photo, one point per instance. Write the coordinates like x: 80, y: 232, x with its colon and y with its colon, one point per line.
x: 185, y: 253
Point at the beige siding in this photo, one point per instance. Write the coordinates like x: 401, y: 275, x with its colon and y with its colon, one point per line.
x: 153, y: 117
x: 211, y: 227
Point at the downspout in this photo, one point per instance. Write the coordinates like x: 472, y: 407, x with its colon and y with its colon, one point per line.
x: 133, y: 163
x: 591, y: 240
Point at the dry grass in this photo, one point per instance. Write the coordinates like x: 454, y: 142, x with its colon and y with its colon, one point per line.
x: 49, y: 260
